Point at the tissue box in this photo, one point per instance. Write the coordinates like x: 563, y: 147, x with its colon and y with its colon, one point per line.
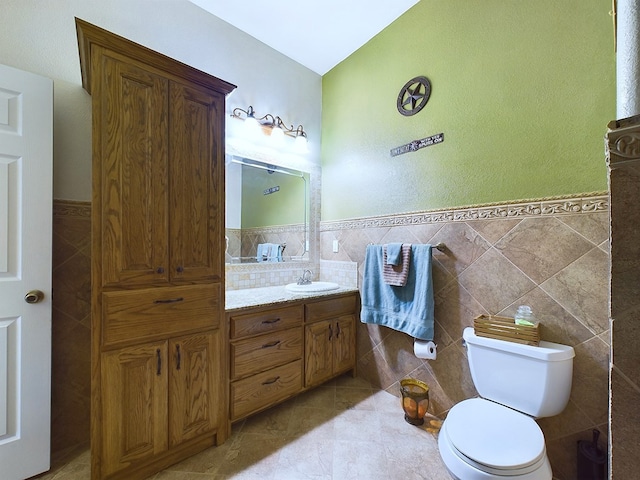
x: 505, y: 328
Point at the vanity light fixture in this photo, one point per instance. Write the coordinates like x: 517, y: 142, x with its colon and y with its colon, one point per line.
x: 277, y: 128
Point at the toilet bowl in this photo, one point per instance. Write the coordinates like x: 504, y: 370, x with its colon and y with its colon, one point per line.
x: 496, y: 436
x: 482, y: 440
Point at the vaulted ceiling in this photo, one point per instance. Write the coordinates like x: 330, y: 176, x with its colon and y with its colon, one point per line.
x: 316, y: 34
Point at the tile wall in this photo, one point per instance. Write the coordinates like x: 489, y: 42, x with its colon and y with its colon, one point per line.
x: 551, y: 254
x: 71, y: 334
x: 244, y: 243
x: 623, y: 148
x: 255, y: 275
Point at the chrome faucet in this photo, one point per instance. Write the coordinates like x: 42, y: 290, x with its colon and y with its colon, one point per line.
x: 305, y: 279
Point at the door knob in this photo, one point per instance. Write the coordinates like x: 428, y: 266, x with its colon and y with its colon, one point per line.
x: 33, y: 296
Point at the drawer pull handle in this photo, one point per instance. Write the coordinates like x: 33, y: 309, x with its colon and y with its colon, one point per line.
x: 338, y: 332
x: 269, y: 322
x: 170, y: 300
x: 271, y: 344
x: 159, y: 365
x: 178, y: 357
x: 271, y: 380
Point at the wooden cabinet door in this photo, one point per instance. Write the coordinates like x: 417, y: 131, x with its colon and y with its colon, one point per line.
x: 344, y: 346
x: 130, y: 122
x: 197, y: 183
x: 318, y: 352
x: 134, y: 405
x: 196, y: 402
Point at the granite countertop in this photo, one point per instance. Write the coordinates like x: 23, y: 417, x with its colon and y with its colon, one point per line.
x: 255, y: 297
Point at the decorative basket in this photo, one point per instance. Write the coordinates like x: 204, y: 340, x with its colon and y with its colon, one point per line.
x: 505, y: 328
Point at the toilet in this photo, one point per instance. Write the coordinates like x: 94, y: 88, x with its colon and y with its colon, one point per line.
x: 495, y: 436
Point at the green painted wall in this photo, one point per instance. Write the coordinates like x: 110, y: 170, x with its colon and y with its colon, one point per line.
x: 284, y: 207
x: 521, y: 90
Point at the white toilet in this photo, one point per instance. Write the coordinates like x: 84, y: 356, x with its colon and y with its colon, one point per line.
x: 496, y: 436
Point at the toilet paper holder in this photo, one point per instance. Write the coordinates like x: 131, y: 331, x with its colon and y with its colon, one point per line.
x: 424, y: 349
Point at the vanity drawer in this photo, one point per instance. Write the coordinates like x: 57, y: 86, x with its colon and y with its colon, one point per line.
x: 335, y: 307
x: 146, y: 313
x: 257, y: 354
x: 265, y: 389
x: 244, y: 325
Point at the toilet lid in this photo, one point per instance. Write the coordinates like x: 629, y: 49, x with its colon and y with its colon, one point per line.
x: 494, y: 435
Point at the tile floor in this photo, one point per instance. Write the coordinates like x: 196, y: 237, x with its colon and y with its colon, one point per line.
x: 344, y: 430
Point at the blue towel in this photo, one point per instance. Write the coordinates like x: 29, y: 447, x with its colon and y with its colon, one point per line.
x: 269, y: 252
x: 408, y: 309
x: 394, y: 253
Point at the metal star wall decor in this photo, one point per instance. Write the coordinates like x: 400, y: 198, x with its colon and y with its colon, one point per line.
x: 413, y: 96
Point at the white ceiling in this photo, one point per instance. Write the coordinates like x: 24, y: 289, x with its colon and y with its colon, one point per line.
x: 318, y: 34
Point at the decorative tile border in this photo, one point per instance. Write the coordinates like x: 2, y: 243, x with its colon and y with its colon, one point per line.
x: 294, y: 227
x: 587, y: 203
x: 70, y: 208
x: 622, y: 142
x: 269, y: 266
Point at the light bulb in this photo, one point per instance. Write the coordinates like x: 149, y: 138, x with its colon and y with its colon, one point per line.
x: 251, y: 127
x: 300, y: 144
x: 277, y: 134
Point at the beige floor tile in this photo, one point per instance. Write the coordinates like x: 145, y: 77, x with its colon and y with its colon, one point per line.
x: 344, y: 430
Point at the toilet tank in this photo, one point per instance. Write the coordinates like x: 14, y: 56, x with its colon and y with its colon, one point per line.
x: 535, y: 380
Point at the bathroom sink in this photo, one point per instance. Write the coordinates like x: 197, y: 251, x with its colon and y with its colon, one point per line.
x: 312, y: 287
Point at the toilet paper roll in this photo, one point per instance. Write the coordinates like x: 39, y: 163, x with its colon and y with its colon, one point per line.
x: 424, y: 349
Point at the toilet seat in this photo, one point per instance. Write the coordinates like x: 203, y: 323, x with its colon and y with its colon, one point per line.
x: 494, y: 438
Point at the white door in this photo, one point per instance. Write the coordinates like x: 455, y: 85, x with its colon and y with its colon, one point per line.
x: 26, y: 158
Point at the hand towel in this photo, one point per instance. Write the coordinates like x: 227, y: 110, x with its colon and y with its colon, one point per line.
x: 408, y: 309
x: 394, y: 253
x: 269, y: 252
x: 396, y: 274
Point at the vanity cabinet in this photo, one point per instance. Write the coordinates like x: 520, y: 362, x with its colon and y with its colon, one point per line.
x: 278, y: 351
x: 266, y: 347
x: 159, y: 350
x: 330, y: 339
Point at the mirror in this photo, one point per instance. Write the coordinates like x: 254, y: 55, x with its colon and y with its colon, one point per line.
x: 267, y: 212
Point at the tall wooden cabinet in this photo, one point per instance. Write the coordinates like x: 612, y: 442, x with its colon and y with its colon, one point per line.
x: 159, y: 355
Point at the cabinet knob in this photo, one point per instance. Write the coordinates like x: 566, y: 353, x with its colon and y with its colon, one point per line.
x: 160, y: 270
x: 180, y: 269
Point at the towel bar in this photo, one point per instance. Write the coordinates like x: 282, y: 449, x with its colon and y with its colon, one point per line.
x: 438, y: 246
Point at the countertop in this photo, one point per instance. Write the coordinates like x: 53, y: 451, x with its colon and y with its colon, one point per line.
x: 255, y: 297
